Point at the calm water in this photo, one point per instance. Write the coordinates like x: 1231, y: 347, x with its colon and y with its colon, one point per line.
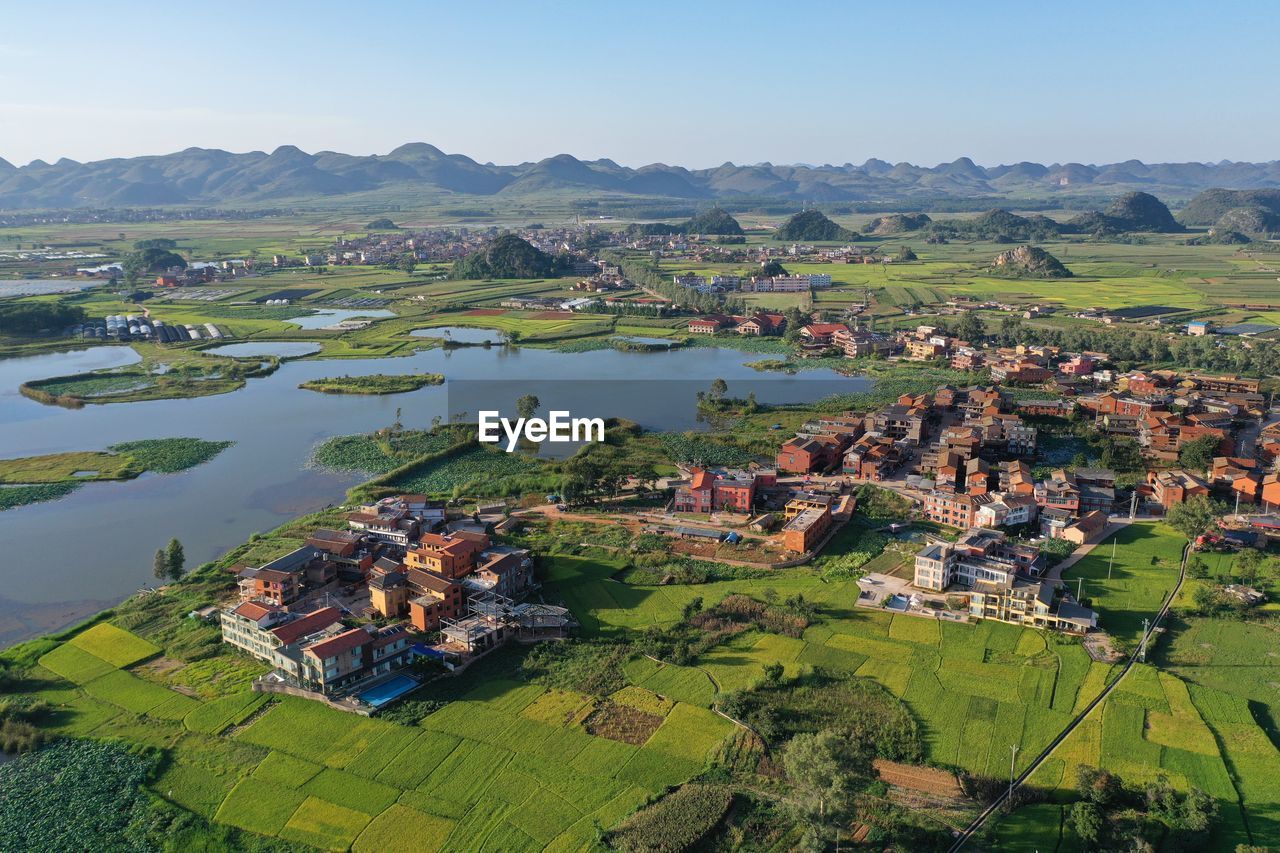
x: 461, y: 334
x: 326, y: 317
x: 282, y: 349
x: 65, y: 559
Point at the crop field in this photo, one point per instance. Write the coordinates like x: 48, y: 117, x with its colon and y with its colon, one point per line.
x: 478, y: 464
x: 1147, y: 559
x: 506, y: 765
x: 1203, y: 719
x: 1107, y: 275
x: 115, y: 646
x: 973, y: 687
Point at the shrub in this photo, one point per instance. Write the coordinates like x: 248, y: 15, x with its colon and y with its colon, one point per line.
x: 674, y: 823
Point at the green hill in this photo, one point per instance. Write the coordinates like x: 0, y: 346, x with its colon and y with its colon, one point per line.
x: 1000, y: 226
x: 812, y: 225
x: 896, y: 223
x: 1251, y: 219
x: 715, y: 221
x: 1029, y: 262
x: 1211, y: 205
x: 508, y: 257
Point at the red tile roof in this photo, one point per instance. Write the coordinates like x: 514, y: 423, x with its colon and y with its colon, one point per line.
x: 255, y: 610
x: 341, y: 644
x: 316, y: 620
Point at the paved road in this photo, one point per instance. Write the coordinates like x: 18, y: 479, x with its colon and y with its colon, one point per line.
x: 965, y: 835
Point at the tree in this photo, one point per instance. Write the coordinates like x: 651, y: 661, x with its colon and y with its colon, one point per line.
x: 718, y: 389
x: 823, y: 769
x: 1086, y: 819
x: 1248, y: 565
x: 1097, y: 786
x: 1206, y: 599
x: 692, y: 608
x: 408, y: 262
x: 175, y: 560
x: 1195, y: 515
x: 527, y: 405
x: 1198, y: 455
x: 160, y: 566
x: 773, y: 672
x: 970, y: 327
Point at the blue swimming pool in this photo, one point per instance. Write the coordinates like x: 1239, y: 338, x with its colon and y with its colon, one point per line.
x: 387, y: 691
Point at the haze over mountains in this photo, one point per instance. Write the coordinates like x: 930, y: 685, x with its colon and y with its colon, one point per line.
x: 210, y: 176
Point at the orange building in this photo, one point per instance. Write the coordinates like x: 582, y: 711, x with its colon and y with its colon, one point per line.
x: 439, y: 598
x: 451, y: 555
x: 803, y: 533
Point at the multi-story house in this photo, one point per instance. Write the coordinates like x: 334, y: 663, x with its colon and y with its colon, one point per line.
x: 806, y: 529
x: 1023, y: 601
x: 450, y: 555
x: 952, y: 508
x: 979, y: 555
x: 873, y: 457
x: 899, y: 422
x: 262, y: 629
x: 708, y: 491
x: 344, y: 660
x: 1005, y: 510
x: 856, y: 343
x: 1175, y: 486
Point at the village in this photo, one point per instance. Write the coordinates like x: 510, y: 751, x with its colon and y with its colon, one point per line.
x: 411, y: 579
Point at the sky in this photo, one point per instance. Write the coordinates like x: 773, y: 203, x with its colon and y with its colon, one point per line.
x: 694, y: 84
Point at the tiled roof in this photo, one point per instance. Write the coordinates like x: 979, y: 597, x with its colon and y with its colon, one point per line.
x: 341, y: 644
x: 314, y: 621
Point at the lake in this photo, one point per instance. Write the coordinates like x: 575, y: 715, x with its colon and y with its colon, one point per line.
x: 66, y: 559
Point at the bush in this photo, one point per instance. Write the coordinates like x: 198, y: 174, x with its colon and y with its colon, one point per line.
x: 674, y: 823
x: 584, y: 667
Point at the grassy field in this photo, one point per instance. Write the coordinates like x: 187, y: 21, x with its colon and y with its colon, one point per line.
x: 378, y: 383
x: 972, y: 687
x: 1145, y: 570
x: 506, y: 765
x: 1203, y: 714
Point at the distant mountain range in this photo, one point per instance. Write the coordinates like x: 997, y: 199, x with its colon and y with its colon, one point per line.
x: 209, y: 176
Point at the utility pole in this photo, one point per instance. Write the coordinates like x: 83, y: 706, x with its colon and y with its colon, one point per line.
x: 1113, y: 559
x: 1142, y: 649
x: 1013, y: 760
x: 1080, y: 589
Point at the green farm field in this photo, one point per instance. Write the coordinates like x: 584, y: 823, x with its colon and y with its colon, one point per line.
x: 506, y: 765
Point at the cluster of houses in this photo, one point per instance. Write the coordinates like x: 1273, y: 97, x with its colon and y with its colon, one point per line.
x: 402, y: 581
x: 753, y: 284
x: 762, y: 323
x: 805, y: 514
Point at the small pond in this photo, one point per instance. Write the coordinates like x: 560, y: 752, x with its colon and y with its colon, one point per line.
x: 460, y: 334
x: 637, y: 339
x: 280, y: 349
x: 323, y: 318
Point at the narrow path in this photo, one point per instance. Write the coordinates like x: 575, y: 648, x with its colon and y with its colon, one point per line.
x: 963, y: 838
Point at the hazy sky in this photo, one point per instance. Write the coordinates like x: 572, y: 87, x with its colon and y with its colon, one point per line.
x: 688, y: 83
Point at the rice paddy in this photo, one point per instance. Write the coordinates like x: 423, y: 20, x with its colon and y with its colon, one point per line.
x: 505, y: 766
